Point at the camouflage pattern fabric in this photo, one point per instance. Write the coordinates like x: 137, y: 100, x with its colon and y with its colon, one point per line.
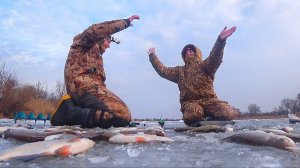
x: 84, y: 70
x: 195, y: 82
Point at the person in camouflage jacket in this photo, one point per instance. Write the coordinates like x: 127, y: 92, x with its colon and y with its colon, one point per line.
x: 85, y: 78
x: 195, y: 81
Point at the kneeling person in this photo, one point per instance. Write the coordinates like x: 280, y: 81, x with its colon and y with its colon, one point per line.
x: 195, y: 81
x: 89, y: 103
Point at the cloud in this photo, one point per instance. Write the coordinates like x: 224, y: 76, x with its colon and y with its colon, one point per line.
x: 24, y: 58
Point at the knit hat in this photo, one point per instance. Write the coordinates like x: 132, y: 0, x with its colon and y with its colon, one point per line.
x: 188, y: 47
x: 194, y: 48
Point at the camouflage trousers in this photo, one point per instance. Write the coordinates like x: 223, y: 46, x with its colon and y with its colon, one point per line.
x: 195, y: 110
x: 114, y: 108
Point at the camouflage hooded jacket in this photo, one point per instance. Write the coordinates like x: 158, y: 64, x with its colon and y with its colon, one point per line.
x: 195, y: 78
x: 84, y: 66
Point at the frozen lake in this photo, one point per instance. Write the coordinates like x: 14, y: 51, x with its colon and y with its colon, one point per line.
x: 188, y: 150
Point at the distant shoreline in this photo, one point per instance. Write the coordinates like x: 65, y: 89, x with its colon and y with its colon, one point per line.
x: 242, y: 117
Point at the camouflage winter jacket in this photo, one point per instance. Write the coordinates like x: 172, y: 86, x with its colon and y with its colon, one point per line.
x: 84, y: 66
x: 195, y: 79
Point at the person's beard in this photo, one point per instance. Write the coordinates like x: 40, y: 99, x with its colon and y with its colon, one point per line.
x: 189, y: 60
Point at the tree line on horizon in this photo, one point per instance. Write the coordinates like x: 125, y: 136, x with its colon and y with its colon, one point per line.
x: 288, y: 105
x: 16, y: 96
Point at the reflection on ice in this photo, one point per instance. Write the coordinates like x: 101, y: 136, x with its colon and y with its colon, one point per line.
x: 34, y: 166
x: 133, y: 152
x: 266, y: 161
x: 4, y: 164
x: 98, y: 159
x: 208, y: 138
x: 120, y: 147
x: 181, y: 138
x: 119, y: 162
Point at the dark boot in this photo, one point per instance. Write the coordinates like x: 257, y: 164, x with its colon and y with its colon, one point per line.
x: 68, y: 113
x: 91, y: 101
x: 119, y: 122
x: 114, y: 121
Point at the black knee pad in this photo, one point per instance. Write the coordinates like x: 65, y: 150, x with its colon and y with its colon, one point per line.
x: 88, y: 100
x: 105, y: 124
x: 119, y: 122
x: 68, y: 113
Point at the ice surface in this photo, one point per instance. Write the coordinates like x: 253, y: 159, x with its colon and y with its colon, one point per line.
x: 133, y: 152
x: 188, y: 150
x: 98, y: 159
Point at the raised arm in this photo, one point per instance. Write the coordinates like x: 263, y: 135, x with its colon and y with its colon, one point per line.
x: 96, y: 32
x: 214, y: 60
x: 169, y: 73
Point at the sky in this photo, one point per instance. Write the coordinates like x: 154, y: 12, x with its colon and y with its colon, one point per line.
x: 260, y: 64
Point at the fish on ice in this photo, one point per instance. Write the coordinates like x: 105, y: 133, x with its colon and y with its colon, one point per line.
x: 261, y: 138
x: 138, y: 138
x: 64, y: 147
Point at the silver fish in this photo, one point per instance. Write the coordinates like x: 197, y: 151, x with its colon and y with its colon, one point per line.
x: 209, y: 128
x: 155, y: 130
x: 3, y: 129
x: 212, y: 122
x: 293, y: 136
x: 138, y: 138
x: 293, y: 118
x: 270, y: 130
x: 60, y: 136
x: 34, y: 150
x: 261, y: 138
x: 288, y: 129
x: 28, y: 135
x: 183, y: 129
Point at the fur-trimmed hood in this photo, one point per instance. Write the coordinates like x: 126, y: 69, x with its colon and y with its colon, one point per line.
x: 196, y: 50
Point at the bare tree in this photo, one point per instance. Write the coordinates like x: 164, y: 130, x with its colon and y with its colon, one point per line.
x: 60, y: 90
x: 15, y: 97
x: 290, y: 105
x: 298, y: 102
x: 8, y: 81
x: 254, y: 109
x: 41, y: 90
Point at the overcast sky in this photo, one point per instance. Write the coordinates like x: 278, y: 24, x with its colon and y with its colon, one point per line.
x: 260, y: 65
